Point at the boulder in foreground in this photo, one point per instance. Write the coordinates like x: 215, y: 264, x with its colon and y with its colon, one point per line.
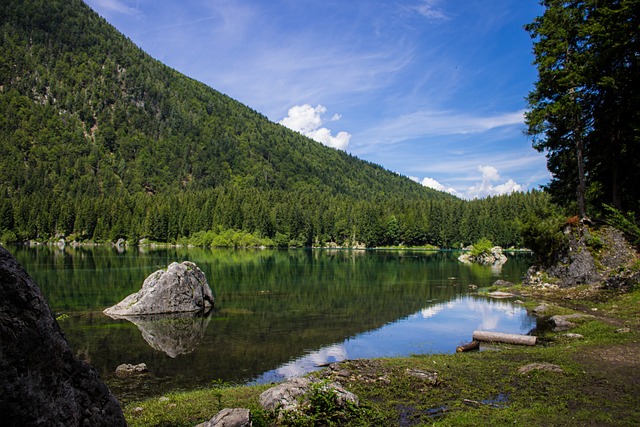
x: 178, y: 289
x: 41, y: 381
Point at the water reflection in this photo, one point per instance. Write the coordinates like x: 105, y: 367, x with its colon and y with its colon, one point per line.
x: 437, y: 328
x: 273, y: 307
x: 173, y: 334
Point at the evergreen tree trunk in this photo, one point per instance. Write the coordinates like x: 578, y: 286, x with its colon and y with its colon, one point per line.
x: 581, y: 178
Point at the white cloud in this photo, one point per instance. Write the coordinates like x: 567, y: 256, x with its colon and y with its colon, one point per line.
x: 429, y: 9
x: 489, y: 173
x: 308, y: 121
x: 432, y: 183
x: 486, y: 188
x: 479, y: 189
x: 112, y: 6
x: 508, y: 187
x: 431, y: 123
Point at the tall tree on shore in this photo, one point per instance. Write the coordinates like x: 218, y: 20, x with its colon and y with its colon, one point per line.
x: 583, y: 111
x: 559, y: 118
x: 613, y: 156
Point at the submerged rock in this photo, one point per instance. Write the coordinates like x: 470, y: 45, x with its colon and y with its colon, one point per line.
x: 41, y: 381
x: 181, y: 288
x: 128, y: 370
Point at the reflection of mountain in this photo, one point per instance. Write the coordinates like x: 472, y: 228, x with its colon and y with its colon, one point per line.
x: 174, y: 334
x: 271, y: 305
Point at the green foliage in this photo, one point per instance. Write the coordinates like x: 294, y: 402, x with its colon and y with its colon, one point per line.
x: 8, y: 236
x: 543, y: 234
x: 320, y: 407
x: 99, y: 142
x: 583, y: 112
x: 627, y: 223
x: 481, y: 247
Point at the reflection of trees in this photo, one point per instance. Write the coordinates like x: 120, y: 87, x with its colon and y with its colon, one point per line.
x: 174, y: 334
x: 271, y: 305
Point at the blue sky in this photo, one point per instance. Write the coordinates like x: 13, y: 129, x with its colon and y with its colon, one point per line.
x: 432, y: 89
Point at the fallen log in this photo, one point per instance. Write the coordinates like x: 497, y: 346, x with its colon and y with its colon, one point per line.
x: 473, y: 345
x: 504, y: 338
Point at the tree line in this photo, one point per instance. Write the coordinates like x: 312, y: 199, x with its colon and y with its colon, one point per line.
x: 272, y: 218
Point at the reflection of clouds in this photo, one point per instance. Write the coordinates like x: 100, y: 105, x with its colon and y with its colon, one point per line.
x: 305, y: 364
x: 438, y: 328
x: 334, y: 353
x: 492, y: 312
x: 489, y: 322
x: 429, y: 312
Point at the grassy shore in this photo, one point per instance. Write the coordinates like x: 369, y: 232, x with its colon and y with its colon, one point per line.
x: 592, y: 380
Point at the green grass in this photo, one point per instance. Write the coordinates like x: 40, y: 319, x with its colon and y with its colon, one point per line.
x: 599, y: 384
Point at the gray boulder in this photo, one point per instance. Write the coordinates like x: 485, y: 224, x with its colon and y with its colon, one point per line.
x: 503, y: 283
x: 289, y: 395
x: 127, y: 370
x: 178, y: 289
x: 560, y: 323
x: 230, y: 417
x: 41, y: 382
x: 494, y: 258
x: 588, y: 256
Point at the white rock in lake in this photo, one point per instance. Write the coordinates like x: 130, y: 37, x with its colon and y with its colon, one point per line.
x: 178, y: 289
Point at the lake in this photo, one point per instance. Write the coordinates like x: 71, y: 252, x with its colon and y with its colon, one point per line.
x: 278, y: 313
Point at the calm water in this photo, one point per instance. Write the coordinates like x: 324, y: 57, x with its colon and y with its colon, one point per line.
x: 278, y: 313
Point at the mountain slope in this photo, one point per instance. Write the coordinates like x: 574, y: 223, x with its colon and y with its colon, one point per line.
x: 109, y: 116
x: 98, y: 141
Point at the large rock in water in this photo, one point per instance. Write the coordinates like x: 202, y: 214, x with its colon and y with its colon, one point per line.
x: 181, y: 288
x: 41, y: 382
x: 495, y: 257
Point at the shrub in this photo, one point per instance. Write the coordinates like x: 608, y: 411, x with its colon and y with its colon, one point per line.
x: 482, y: 246
x: 321, y: 408
x: 8, y: 236
x: 624, y: 222
x: 543, y: 236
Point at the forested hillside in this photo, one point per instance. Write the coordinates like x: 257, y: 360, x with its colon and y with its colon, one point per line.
x: 99, y: 141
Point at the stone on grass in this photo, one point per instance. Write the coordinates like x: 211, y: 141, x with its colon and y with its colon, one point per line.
x: 229, y: 417
x: 540, y: 367
x: 573, y: 336
x: 287, y: 396
x: 541, y: 309
x: 561, y: 323
x: 503, y: 284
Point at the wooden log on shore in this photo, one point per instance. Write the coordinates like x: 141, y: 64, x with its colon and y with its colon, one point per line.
x: 504, y: 338
x: 473, y: 345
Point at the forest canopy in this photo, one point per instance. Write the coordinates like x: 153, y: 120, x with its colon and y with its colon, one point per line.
x: 99, y: 142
